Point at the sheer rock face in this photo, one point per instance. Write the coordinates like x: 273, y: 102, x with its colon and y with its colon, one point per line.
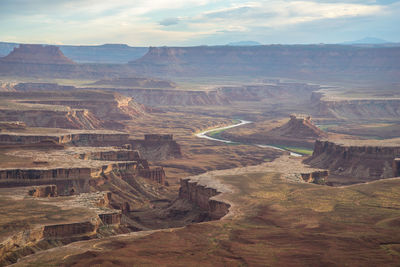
x: 37, y: 54
x: 202, y: 197
x: 157, y: 147
x: 365, y: 162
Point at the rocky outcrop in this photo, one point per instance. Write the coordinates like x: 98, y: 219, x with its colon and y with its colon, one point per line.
x: 44, y: 191
x: 156, y: 174
x: 367, y: 162
x: 157, y: 147
x: 316, y: 177
x: 38, y: 54
x: 111, y: 218
x: 59, y: 231
x: 202, y: 197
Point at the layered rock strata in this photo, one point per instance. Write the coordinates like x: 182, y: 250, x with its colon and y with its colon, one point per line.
x: 367, y: 162
x: 202, y: 196
x: 157, y: 147
x: 44, y: 191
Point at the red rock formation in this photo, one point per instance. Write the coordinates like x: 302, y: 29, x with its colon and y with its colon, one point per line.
x: 113, y: 155
x: 69, y: 118
x: 317, y: 177
x: 39, y: 54
x: 60, y: 231
x: 156, y: 174
x: 111, y: 218
x: 44, y: 191
x: 365, y: 162
x: 201, y: 196
x: 157, y: 147
x: 299, y: 126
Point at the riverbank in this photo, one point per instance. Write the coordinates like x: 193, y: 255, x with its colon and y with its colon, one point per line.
x: 206, y: 135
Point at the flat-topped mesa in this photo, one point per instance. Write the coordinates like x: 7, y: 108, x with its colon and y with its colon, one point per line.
x: 361, y: 160
x: 157, y: 147
x: 37, y: 54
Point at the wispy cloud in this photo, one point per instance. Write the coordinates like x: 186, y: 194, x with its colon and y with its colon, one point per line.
x: 172, y: 22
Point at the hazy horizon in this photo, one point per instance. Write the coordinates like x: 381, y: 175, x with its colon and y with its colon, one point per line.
x: 197, y: 22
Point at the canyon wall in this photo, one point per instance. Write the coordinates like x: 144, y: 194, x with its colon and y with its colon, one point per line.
x: 168, y: 97
x: 318, y: 62
x: 201, y: 196
x: 49, y: 118
x: 114, y: 155
x: 354, y: 109
x: 81, y: 139
x: 367, y: 162
x: 157, y: 147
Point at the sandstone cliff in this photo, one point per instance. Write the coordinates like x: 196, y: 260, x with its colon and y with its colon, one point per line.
x: 358, y: 162
x: 157, y: 147
x: 202, y: 197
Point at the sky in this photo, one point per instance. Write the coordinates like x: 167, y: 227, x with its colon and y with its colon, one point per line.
x: 197, y: 22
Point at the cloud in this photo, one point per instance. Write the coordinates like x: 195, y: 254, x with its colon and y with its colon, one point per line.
x: 169, y: 21
x: 191, y: 21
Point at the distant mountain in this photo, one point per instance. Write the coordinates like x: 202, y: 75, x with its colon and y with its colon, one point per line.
x: 368, y: 40
x: 244, y: 43
x: 107, y: 53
